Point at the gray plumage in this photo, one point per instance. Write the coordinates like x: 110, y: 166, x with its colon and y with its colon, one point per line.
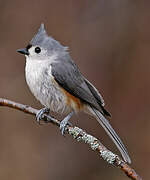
x: 47, y: 42
x: 69, y: 77
x: 51, y: 69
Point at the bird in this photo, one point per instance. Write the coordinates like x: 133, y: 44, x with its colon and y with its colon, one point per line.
x: 56, y: 81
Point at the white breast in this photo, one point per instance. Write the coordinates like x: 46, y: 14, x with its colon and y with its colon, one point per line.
x: 42, y: 85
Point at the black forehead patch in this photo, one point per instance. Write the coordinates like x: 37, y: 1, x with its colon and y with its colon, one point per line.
x: 28, y: 46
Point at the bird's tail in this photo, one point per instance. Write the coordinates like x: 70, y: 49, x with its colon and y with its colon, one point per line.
x: 110, y: 131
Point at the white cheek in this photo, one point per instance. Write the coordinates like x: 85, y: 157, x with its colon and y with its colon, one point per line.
x: 34, y: 55
x: 32, y: 51
x: 43, y: 55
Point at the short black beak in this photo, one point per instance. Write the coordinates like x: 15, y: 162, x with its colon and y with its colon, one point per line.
x: 23, y: 51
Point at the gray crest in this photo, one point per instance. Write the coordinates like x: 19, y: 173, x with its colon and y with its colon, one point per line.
x: 43, y: 40
x: 40, y: 36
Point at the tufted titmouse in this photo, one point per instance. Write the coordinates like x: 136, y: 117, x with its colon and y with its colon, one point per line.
x: 57, y: 83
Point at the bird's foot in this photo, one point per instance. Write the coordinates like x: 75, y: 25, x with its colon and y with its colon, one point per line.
x: 63, y: 125
x: 40, y: 114
x: 65, y: 122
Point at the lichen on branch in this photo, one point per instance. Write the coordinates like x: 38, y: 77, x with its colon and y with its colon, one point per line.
x: 79, y: 135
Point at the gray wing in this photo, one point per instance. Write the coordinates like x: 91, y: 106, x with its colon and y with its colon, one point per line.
x: 67, y: 75
x: 98, y: 97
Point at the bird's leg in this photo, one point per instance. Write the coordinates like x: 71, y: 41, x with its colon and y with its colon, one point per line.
x: 65, y: 121
x: 40, y: 113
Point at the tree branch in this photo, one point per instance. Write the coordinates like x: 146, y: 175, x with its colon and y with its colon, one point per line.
x: 79, y: 135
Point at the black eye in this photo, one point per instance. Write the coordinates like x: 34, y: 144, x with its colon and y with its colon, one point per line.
x: 37, y: 50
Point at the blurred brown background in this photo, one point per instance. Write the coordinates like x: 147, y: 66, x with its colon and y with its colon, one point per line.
x: 110, y: 42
